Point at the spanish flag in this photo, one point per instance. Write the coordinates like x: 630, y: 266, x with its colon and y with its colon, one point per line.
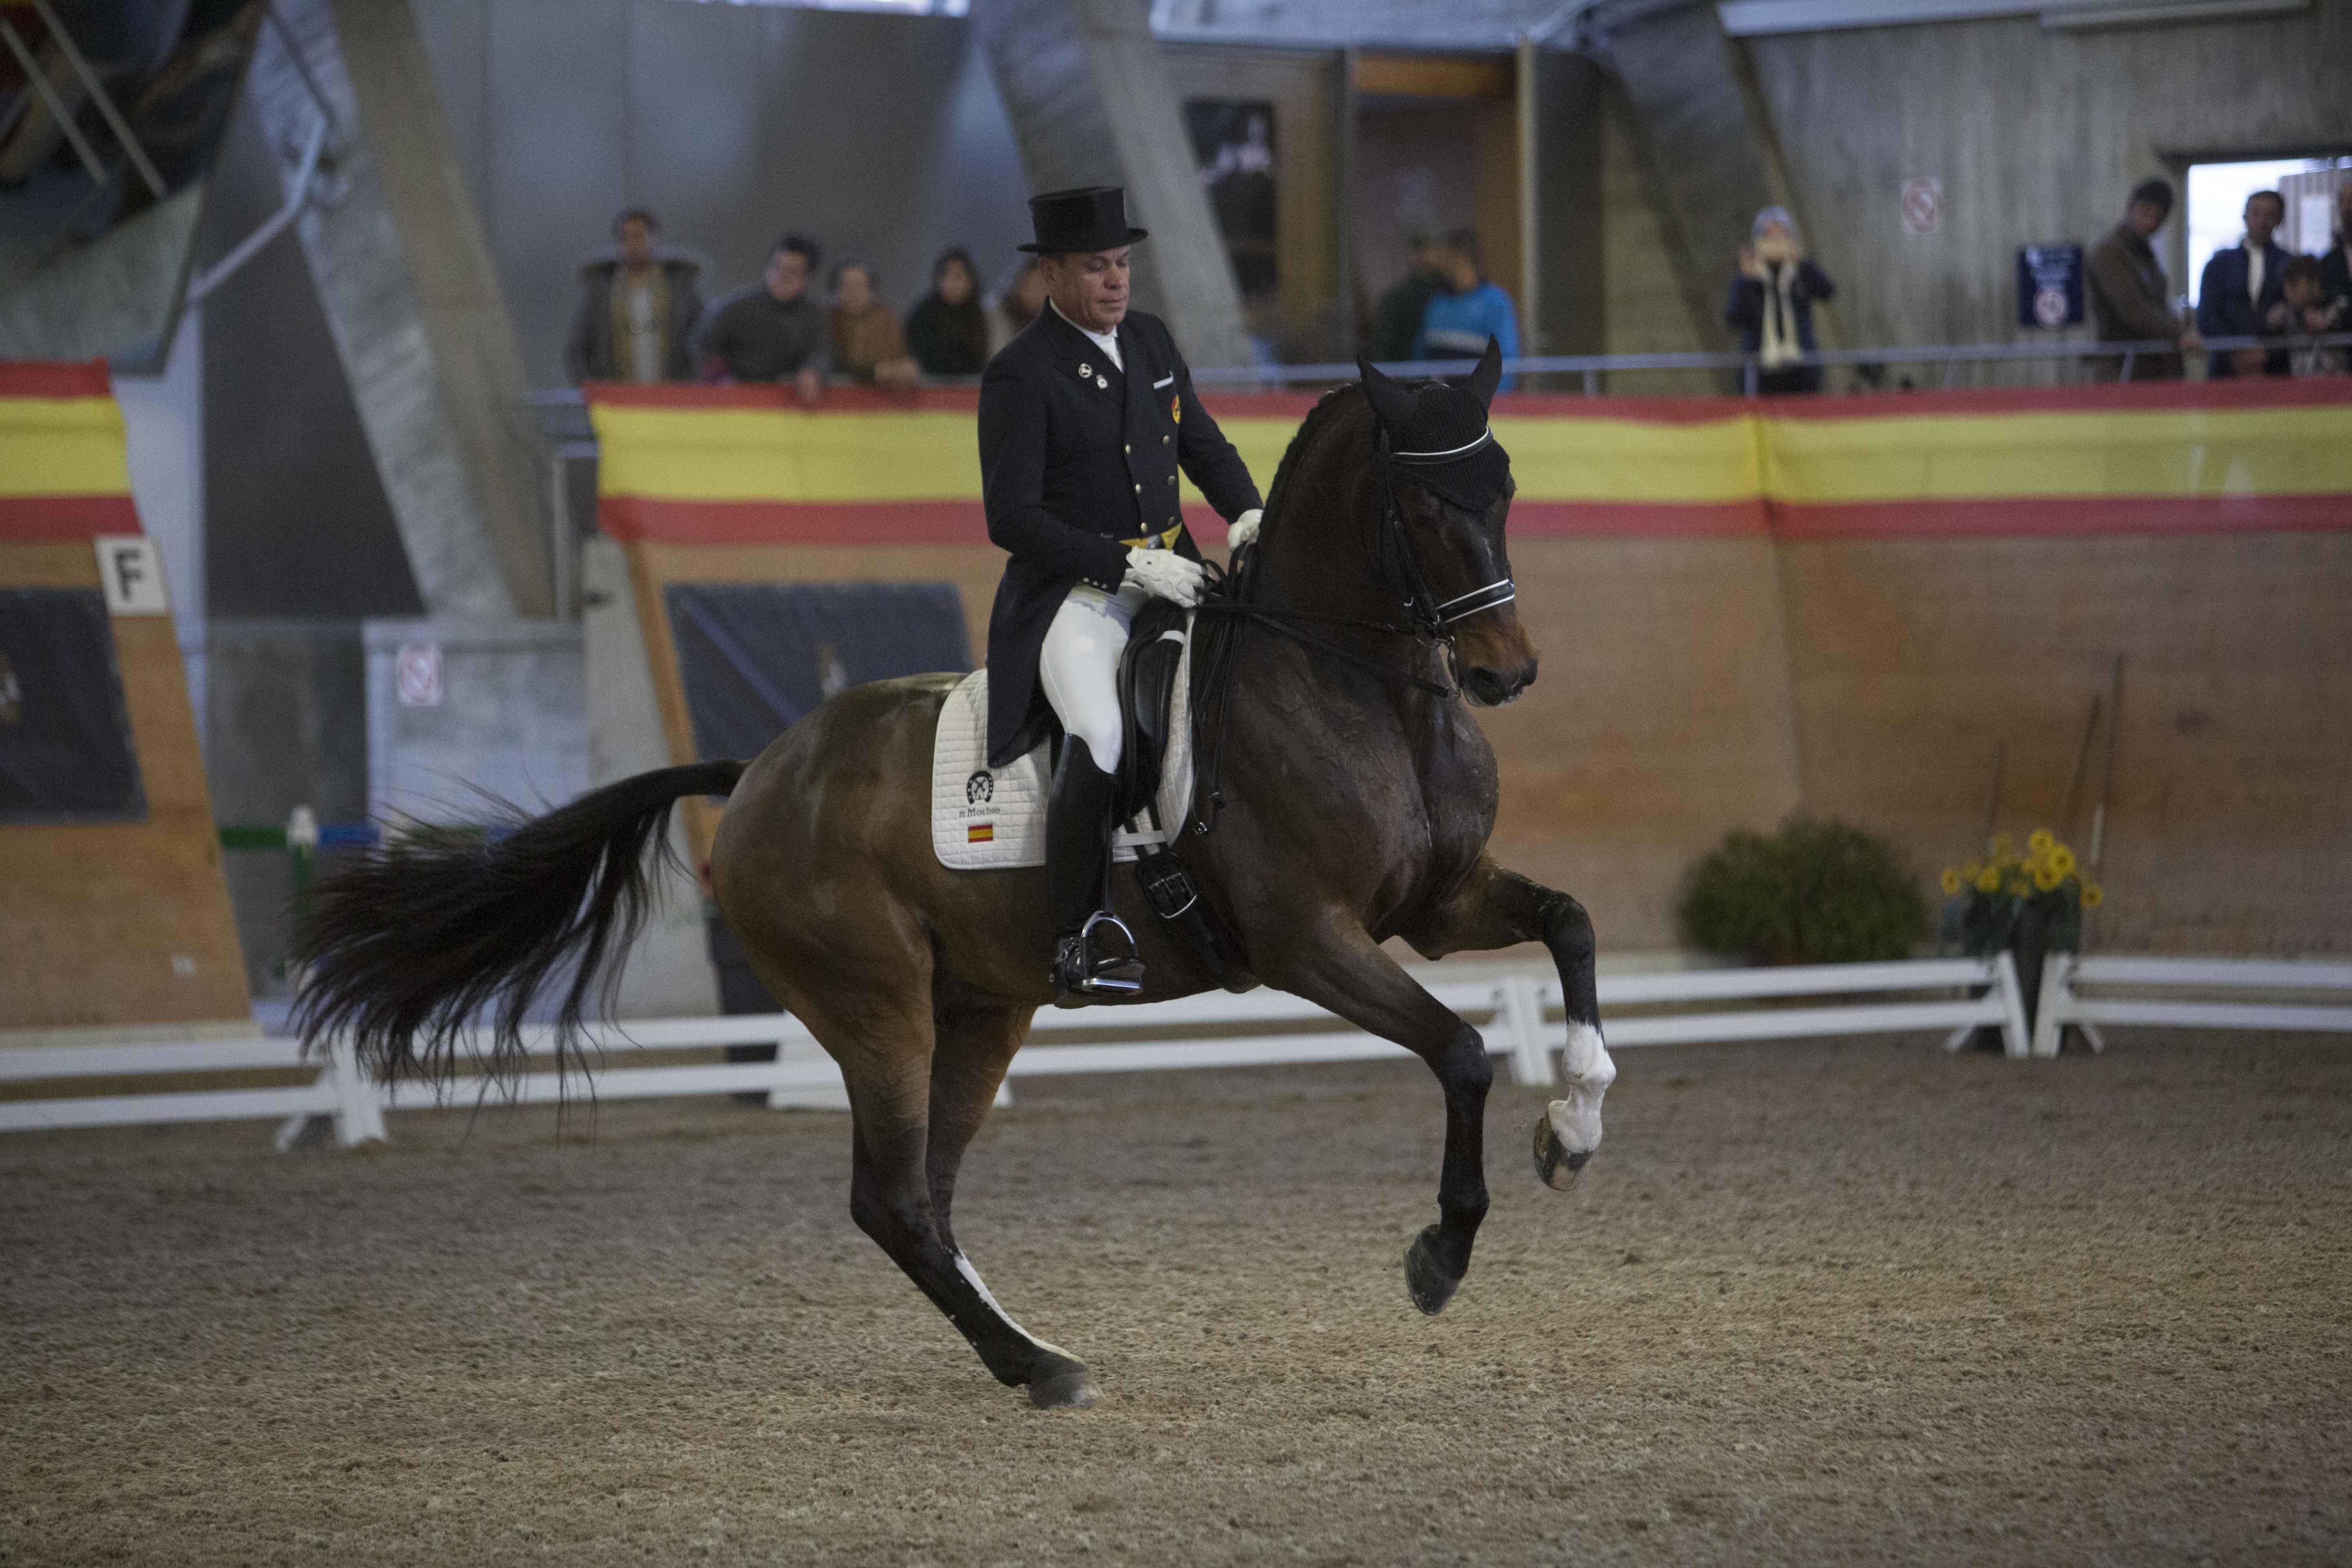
x: 753, y: 465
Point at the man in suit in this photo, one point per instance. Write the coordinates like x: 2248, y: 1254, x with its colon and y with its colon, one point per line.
x: 2243, y: 293
x: 1084, y: 419
x: 2130, y: 302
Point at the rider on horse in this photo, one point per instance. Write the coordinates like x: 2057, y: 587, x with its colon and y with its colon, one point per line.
x: 1084, y: 419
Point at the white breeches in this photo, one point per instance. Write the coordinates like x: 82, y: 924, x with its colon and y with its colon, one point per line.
x: 1079, y: 664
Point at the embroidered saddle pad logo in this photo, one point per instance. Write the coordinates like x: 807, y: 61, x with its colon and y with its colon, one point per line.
x: 989, y: 819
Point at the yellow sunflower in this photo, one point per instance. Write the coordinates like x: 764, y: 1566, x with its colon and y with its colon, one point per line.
x: 1989, y: 880
x: 2040, y: 841
x: 2061, y: 860
x: 1951, y: 879
x: 2047, y: 877
x: 2092, y: 895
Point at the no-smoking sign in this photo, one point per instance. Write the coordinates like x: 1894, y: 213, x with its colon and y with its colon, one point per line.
x: 416, y: 673
x: 1923, y: 205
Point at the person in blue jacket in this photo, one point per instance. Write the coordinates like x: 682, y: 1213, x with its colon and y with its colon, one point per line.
x: 1467, y: 311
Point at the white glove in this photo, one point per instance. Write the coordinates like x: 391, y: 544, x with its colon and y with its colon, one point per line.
x: 1242, y: 530
x: 1164, y: 575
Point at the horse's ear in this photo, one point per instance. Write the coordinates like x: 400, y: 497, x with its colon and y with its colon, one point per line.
x: 1481, y: 383
x: 1391, y: 403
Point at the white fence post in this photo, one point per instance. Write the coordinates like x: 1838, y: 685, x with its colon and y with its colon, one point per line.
x: 1519, y: 1008
x: 2050, y: 1009
x: 2014, y: 1040
x: 359, y: 1110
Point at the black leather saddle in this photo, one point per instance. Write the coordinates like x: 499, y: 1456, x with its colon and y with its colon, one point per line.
x: 1147, y: 686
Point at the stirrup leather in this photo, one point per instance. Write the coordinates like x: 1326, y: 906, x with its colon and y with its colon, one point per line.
x: 1077, y: 970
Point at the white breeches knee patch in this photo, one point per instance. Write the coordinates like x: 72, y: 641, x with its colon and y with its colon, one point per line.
x: 1079, y: 666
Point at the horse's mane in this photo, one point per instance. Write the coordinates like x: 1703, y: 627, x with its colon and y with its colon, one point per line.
x: 1329, y: 407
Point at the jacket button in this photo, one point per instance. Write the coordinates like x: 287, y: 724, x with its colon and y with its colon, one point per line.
x: 1127, y: 448
x: 1138, y: 489
x: 1163, y: 440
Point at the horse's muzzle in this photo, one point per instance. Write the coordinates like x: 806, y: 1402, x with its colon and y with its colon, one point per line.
x: 1489, y: 687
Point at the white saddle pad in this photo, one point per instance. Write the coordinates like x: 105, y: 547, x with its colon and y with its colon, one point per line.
x: 987, y: 819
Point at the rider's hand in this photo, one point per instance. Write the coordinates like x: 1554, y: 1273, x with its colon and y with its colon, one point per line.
x: 1244, y: 529
x: 1164, y: 575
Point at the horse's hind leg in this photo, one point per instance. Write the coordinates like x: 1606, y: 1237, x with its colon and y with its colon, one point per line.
x: 886, y: 1050
x: 1493, y: 907
x: 975, y: 1045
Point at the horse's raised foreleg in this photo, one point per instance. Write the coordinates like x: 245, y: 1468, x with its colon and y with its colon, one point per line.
x: 1493, y: 907
x: 1340, y: 967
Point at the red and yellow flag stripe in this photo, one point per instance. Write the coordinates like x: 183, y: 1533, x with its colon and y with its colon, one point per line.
x: 64, y: 470
x: 700, y: 464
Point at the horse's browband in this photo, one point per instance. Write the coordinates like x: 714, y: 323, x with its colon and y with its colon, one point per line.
x: 1449, y: 454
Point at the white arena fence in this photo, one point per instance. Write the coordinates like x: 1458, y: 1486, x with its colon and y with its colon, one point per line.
x: 2235, y: 979
x: 1511, y: 1008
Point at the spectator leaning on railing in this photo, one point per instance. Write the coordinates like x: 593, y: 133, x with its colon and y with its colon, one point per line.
x: 1771, y: 303
x: 771, y: 331
x: 1467, y: 311
x: 2243, y: 293
x: 637, y: 310
x: 2130, y: 302
x: 866, y: 343
x: 947, y: 331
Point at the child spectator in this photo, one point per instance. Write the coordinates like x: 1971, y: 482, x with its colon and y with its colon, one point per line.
x: 637, y: 310
x: 947, y: 331
x: 2312, y: 313
x: 866, y: 343
x: 1771, y: 303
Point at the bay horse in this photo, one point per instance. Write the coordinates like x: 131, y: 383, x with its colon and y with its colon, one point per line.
x: 1357, y: 797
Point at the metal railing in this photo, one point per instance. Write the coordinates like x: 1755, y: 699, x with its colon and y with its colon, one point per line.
x: 562, y: 410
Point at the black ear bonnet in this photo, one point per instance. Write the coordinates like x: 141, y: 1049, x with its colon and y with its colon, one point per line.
x: 1437, y: 434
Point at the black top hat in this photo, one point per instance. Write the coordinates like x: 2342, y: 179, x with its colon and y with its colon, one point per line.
x: 1093, y: 217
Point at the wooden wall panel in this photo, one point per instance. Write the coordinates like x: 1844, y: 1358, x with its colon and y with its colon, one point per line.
x: 2231, y: 825
x: 107, y: 924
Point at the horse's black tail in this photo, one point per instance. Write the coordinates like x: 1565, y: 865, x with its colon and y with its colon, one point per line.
x: 402, y: 950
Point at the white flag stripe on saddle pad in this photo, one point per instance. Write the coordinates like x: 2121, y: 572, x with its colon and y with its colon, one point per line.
x: 989, y: 819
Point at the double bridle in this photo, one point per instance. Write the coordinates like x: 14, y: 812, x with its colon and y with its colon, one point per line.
x: 1400, y: 567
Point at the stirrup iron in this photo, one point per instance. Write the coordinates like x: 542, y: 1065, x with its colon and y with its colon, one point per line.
x: 1079, y: 973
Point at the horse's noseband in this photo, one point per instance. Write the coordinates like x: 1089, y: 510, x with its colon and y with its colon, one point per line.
x: 1401, y: 566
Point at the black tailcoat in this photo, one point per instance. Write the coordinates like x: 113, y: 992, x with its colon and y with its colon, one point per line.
x: 1070, y: 467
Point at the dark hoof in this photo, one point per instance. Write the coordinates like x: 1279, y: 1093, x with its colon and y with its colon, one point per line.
x: 1554, y: 1163
x: 1061, y: 1383
x: 1425, y: 1278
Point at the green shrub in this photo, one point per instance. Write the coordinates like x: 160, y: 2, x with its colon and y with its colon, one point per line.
x: 1814, y: 892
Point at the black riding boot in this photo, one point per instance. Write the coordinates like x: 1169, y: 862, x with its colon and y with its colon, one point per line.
x: 1077, y: 851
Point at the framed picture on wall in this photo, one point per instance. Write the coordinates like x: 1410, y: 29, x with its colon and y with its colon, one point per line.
x: 1232, y: 143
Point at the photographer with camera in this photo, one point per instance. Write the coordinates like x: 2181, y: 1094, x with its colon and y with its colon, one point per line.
x: 1771, y: 303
